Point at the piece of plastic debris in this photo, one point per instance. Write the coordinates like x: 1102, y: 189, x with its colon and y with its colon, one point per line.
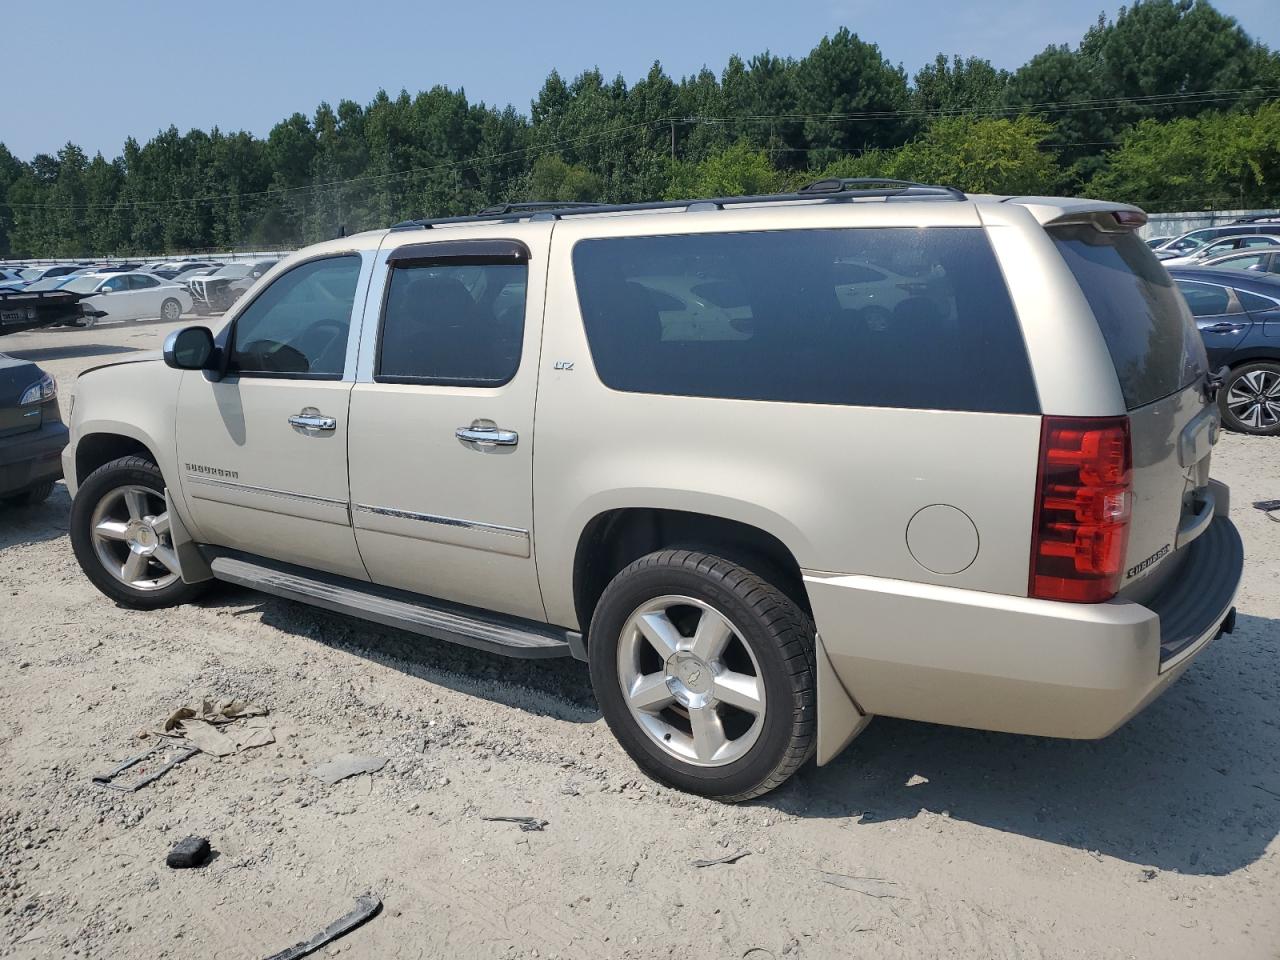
x: 366, y: 908
x: 728, y: 858
x: 110, y: 780
x: 188, y: 852
x: 527, y: 824
x: 871, y: 886
x: 347, y: 765
x: 1148, y: 874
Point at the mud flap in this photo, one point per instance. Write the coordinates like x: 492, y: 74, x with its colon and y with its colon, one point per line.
x: 194, y: 566
x: 839, y: 718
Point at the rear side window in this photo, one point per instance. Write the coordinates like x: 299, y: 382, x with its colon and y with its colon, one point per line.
x: 1153, y: 341
x: 453, y: 325
x: 1255, y: 303
x: 882, y: 317
x: 1205, y: 299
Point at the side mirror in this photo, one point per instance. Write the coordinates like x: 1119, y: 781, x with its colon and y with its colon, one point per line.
x: 190, y: 348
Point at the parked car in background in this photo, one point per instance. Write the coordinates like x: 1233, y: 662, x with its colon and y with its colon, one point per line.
x: 35, y: 274
x: 131, y: 296
x: 992, y: 509
x: 1192, y: 241
x: 217, y: 291
x: 185, y: 276
x: 32, y: 433
x: 1254, y: 261
x: 1239, y: 319
x: 1222, y: 246
x: 1154, y: 242
x: 174, y: 269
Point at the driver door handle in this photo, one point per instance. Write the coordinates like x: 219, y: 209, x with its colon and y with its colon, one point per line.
x: 487, y: 436
x: 310, y: 421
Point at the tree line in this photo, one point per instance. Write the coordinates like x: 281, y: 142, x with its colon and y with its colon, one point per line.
x: 1171, y: 105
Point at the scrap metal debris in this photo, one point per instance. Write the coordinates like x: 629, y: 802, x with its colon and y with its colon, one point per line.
x: 188, y: 852
x: 366, y: 908
x: 109, y: 781
x: 347, y: 765
x: 527, y: 824
x: 221, y: 727
x: 871, y: 886
x: 728, y: 858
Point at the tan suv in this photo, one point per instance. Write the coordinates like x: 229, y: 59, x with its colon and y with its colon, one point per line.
x: 771, y: 465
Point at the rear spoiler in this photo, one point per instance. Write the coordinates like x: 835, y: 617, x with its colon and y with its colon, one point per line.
x: 1058, y: 210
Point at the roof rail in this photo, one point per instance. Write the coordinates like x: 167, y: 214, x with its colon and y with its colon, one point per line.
x: 534, y: 206
x: 866, y: 187
x: 821, y: 191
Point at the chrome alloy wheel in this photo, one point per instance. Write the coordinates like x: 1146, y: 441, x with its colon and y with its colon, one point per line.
x: 1254, y: 399
x: 131, y: 538
x: 691, y: 681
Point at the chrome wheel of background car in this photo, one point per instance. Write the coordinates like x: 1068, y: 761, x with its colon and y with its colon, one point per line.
x: 1254, y: 399
x: 130, y: 532
x: 690, y: 681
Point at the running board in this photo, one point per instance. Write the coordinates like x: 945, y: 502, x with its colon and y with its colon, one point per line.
x: 511, y: 636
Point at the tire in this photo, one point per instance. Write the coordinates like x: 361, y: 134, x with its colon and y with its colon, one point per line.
x: 171, y: 310
x: 1249, y: 399
x: 31, y: 496
x: 119, y: 533
x: 761, y: 686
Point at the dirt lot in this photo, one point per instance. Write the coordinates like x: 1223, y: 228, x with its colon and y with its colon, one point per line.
x: 1158, y: 842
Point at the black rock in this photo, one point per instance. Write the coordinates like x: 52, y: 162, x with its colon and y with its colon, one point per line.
x: 188, y: 852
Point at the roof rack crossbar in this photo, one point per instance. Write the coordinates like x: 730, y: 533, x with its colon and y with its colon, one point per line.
x: 841, y: 190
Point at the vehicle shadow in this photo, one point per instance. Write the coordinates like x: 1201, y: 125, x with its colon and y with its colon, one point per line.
x: 36, y: 524
x: 70, y: 351
x: 559, y: 688
x: 1190, y: 785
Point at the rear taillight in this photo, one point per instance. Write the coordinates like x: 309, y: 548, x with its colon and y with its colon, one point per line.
x: 1084, y: 498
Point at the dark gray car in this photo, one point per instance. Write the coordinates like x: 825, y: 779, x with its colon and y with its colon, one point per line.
x: 32, y: 433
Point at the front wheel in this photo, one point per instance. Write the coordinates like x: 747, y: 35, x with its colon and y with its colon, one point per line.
x: 705, y: 674
x: 171, y: 310
x: 1250, y: 399
x: 120, y: 534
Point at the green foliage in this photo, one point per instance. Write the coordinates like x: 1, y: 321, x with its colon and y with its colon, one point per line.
x: 739, y: 170
x: 1120, y: 115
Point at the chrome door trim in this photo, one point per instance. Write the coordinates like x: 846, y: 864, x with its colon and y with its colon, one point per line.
x: 443, y: 521
x: 267, y: 491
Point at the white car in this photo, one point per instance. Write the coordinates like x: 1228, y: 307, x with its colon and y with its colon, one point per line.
x: 132, y: 296
x: 1221, y: 247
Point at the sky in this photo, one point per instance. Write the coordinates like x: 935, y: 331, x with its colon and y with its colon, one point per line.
x: 95, y: 73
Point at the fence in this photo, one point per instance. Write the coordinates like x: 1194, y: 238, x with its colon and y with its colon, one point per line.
x: 1176, y: 224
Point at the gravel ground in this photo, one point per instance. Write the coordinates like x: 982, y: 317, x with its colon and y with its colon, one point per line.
x: 1160, y: 841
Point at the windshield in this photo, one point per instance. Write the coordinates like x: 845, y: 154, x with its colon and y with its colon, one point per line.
x: 83, y: 284
x: 33, y: 273
x: 1152, y: 339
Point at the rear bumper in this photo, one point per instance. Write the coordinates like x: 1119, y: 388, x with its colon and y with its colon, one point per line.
x: 31, y: 458
x: 993, y: 662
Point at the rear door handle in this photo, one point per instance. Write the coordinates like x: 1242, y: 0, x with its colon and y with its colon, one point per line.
x: 487, y: 436
x: 313, y: 421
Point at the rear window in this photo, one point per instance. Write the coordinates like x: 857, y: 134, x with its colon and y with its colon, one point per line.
x: 884, y: 317
x: 1153, y: 341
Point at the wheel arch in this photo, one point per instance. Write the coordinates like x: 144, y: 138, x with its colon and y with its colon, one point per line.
x: 613, y: 538
x: 97, y: 447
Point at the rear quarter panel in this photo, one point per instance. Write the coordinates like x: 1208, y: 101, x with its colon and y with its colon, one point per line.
x: 837, y: 485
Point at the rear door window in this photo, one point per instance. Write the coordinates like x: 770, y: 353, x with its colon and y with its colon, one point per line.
x: 884, y: 317
x: 1205, y: 299
x: 1153, y: 341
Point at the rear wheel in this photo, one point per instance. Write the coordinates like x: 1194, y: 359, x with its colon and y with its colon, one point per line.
x: 1250, y: 399
x: 705, y: 674
x: 170, y: 310
x: 120, y: 534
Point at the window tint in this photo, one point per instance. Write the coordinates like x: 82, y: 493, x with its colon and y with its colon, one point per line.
x: 1205, y: 299
x: 1253, y: 302
x: 138, y: 282
x: 460, y: 325
x: 116, y: 284
x: 891, y: 317
x: 1154, y: 345
x: 298, y: 326
x: 1247, y: 262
